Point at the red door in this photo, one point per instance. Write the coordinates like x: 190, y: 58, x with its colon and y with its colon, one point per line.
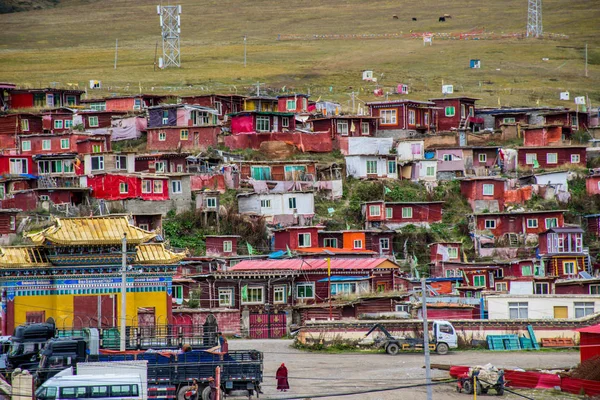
x: 267, y: 326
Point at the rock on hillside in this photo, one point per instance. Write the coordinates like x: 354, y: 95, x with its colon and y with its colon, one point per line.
x: 10, y: 6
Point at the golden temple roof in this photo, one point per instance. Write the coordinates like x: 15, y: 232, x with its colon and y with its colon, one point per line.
x: 155, y: 253
x: 107, y: 230
x: 22, y: 256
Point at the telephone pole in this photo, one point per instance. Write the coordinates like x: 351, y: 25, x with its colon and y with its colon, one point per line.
x: 123, y: 319
x: 245, y: 51
x: 426, y: 340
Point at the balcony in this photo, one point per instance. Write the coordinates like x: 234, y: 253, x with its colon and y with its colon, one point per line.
x: 48, y: 181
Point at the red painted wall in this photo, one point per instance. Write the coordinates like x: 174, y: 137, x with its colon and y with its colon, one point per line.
x: 563, y: 156
x: 448, y: 123
x: 449, y: 313
x: 319, y: 142
x: 120, y: 104
x: 546, y: 136
x: 214, y: 246
x: 199, y: 138
x: 592, y: 184
x: 472, y: 190
x: 421, y: 212
x: 514, y: 223
x: 21, y: 100
x: 5, y: 219
x: 590, y: 345
x: 108, y: 186
x: 290, y: 238
x: 205, y: 181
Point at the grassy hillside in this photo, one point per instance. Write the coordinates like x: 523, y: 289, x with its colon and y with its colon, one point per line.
x: 74, y: 42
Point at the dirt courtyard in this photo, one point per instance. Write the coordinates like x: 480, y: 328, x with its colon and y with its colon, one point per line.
x: 313, y: 374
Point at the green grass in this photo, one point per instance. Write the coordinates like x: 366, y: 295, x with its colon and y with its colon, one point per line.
x: 74, y: 42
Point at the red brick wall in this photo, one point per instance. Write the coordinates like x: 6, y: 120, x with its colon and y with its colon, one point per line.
x: 592, y: 184
x: 290, y: 238
x: 199, y: 138
x: 120, y: 104
x: 542, y: 136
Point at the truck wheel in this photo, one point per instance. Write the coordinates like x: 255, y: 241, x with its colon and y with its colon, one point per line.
x: 500, y: 390
x: 206, y: 393
x: 442, y: 349
x: 392, y: 349
x: 468, y: 386
x: 479, y: 388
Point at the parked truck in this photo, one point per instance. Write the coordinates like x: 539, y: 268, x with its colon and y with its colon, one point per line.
x: 25, y: 344
x: 444, y: 338
x: 241, y: 371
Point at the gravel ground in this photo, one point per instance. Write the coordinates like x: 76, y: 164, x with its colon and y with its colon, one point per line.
x: 314, y: 374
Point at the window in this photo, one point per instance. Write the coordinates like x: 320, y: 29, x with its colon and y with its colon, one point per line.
x: 263, y: 124
x: 304, y: 240
x: 541, y: 288
x: 508, y: 120
x: 146, y: 186
x: 426, y: 119
x: 292, y: 203
x: 176, y: 186
x: 145, y: 227
x: 121, y: 162
x: 265, y: 203
x: 430, y: 171
x: 160, y: 166
x: 137, y: 104
x: 227, y: 246
x: 225, y: 297
x: 594, y: 289
x: 330, y: 242
x: 72, y: 392
x: 384, y: 244
x: 98, y: 106
x: 203, y: 118
x: 411, y: 117
x: 71, y: 100
x: 392, y: 169
x: 305, y: 290
x: 569, y: 268
x: 552, y: 158
x: 46, y: 144
x: 68, y: 123
x: 551, y: 223
x: 388, y: 117
x: 447, y: 157
x: 25, y: 125
x: 165, y: 117
x: 452, y: 252
x: 402, y: 308
x: 157, y: 186
x: 13, y: 223
x: 97, y: 148
x: 123, y: 188
x: 374, y: 211
x: 530, y: 158
x: 98, y: 163
x: 479, y: 280
x: 65, y: 144
x: 184, y: 134
x: 358, y: 244
x: 285, y: 122
x: 254, y: 295
x: 389, y: 213
x: 162, y: 136
x: 280, y: 294
x: 93, y: 121
x: 407, y: 212
x: 342, y: 127
x: 450, y: 111
x: 575, y: 158
x: 219, y: 107
x: 490, y: 224
x: 488, y: 189
x: 26, y: 145
x: 343, y: 288
x: 526, y: 270
x: 532, y: 223
x: 290, y: 105
x: 583, y: 309
x: 372, y: 167
x: 482, y: 158
x: 18, y: 166
x: 179, y: 168
x: 58, y: 124
x: 211, y: 202
x: 518, y: 310
x: 501, y: 287
x: 364, y: 128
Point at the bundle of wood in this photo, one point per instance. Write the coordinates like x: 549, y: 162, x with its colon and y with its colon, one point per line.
x: 589, y: 369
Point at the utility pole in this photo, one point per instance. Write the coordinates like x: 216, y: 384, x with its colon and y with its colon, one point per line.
x: 245, y: 51
x: 116, y: 52
x: 426, y: 340
x: 329, y: 284
x: 123, y: 291
x: 586, y: 61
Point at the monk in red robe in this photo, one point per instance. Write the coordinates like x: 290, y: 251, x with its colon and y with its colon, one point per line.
x: 282, y: 378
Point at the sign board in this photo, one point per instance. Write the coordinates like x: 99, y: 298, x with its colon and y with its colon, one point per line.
x: 475, y: 63
x: 367, y: 75
x: 580, y: 100
x: 95, y: 84
x: 564, y: 95
x: 447, y: 89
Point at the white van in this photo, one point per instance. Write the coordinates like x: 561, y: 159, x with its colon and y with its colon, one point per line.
x: 98, y: 387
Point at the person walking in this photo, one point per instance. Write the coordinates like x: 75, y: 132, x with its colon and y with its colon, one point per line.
x: 282, y: 378
x: 223, y: 345
x: 213, y: 388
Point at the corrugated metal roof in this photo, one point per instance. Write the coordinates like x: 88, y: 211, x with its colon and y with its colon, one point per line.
x: 22, y: 256
x: 311, y: 264
x: 92, y: 230
x: 155, y: 253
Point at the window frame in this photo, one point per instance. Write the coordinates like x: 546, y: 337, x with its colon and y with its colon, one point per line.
x: 285, y: 122
x: 94, y: 124
x: 342, y: 127
x: 146, y: 186
x: 541, y: 285
x: 176, y: 186
x: 383, y: 241
x: 119, y: 164
x: 454, y: 254
x: 450, y: 111
x: 265, y: 203
x: 555, y: 225
x: 363, y: 131
x: 210, y: 200
x: 369, y: 165
x: 355, y: 246
x: 395, y: 167
x: 530, y: 158
x: 482, y: 157
x: 489, y: 188
x: 573, y: 267
x: 292, y: 203
x: 184, y: 134
x: 519, y: 307
x: 407, y: 212
x: 23, y: 164
x: 291, y: 105
x: 162, y: 136
x: 304, y: 284
x: 280, y: 289
x: 330, y: 242
x: 490, y: 224
x: 25, y: 125
x: 594, y: 289
x: 252, y: 288
x: 389, y: 213
x: 263, y: 123
x: 157, y: 186
x: 501, y: 285
x: 374, y: 207
x: 302, y: 238
x: 412, y: 117
x: 58, y: 124
x: 99, y: 161
x: 584, y: 308
x: 432, y: 170
x: 23, y: 147
x: 96, y: 148
x: 479, y: 278
x: 389, y: 116
x: 46, y: 144
x: 530, y: 223
x: 227, y: 246
x: 578, y: 160
x: 62, y: 144
x: 226, y: 292
x: 554, y: 158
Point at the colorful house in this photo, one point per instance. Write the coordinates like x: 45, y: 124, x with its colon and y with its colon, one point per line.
x: 296, y: 237
x: 519, y: 223
x: 563, y: 253
x: 539, y: 136
x: 381, y: 242
x: 394, y: 215
x: 484, y: 193
x: 458, y: 112
x: 551, y: 157
x: 285, y: 208
x: 12, y: 125
x: 43, y: 98
x: 224, y: 103
x: 294, y: 103
x: 136, y: 102
x: 75, y: 265
x: 222, y: 245
x: 397, y: 115
x: 285, y: 170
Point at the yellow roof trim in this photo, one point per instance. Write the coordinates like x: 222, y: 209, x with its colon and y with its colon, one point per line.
x: 22, y: 257
x: 156, y: 253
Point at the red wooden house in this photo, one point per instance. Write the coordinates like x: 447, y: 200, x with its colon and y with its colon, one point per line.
x: 294, y: 103
x: 540, y: 136
x: 287, y: 170
x: 64, y: 142
x: 8, y: 223
x: 93, y: 119
x: 57, y: 120
x: 562, y: 251
x: 454, y: 112
x: 593, y: 223
x: 520, y: 223
x: 394, y: 215
x: 592, y: 184
x: 296, y: 237
x: 346, y: 125
x: 126, y: 103
x: 161, y: 162
x: 577, y: 286
x: 12, y: 125
x: 5, y: 87
x: 224, y: 103
x: 485, y: 157
x: 551, y: 157
x: 404, y: 115
x: 484, y: 193
x: 17, y: 165
x: 110, y: 186
x: 443, y: 252
x: 43, y: 98
x: 510, y: 118
x: 379, y: 241
x: 221, y: 245
x: 571, y: 120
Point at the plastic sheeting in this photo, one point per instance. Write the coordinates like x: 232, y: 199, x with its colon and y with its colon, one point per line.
x: 127, y: 128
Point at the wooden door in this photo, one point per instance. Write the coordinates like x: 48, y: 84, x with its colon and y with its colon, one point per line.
x: 561, y: 312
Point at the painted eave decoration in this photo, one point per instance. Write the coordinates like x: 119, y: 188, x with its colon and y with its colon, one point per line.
x: 22, y: 257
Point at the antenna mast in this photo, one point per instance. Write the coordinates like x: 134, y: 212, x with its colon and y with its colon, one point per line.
x: 534, y: 18
x: 170, y: 23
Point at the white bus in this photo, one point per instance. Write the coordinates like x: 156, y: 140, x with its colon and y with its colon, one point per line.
x: 97, y: 387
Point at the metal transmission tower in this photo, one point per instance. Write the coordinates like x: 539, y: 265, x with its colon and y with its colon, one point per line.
x: 170, y: 22
x: 534, y: 18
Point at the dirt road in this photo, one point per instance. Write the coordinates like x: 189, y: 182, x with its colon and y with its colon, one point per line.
x: 314, y: 374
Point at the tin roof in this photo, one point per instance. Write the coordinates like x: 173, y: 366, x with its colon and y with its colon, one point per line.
x: 92, y: 230
x: 22, y: 256
x: 156, y: 253
x: 313, y: 264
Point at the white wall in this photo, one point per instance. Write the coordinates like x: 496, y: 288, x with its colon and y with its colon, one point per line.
x: 356, y: 166
x: 556, y: 178
x: 538, y: 306
x: 421, y: 167
x: 404, y: 150
x: 305, y: 203
x: 369, y: 145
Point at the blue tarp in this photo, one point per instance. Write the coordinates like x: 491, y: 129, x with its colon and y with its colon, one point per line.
x: 338, y: 278
x: 277, y: 254
x: 429, y: 155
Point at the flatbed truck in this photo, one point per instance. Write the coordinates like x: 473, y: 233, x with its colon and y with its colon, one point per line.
x: 444, y: 339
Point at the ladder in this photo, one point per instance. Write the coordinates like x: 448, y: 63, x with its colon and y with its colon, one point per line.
x: 587, y: 262
x: 513, y: 240
x: 462, y: 125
